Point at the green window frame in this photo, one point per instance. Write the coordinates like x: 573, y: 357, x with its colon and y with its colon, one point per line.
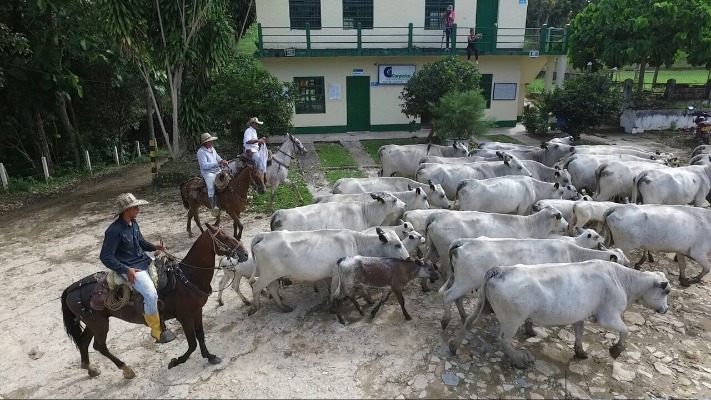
x: 310, y: 95
x: 303, y: 11
x: 433, y: 13
x: 486, y: 87
x: 355, y: 11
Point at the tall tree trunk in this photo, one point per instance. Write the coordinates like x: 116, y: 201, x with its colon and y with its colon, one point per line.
x: 64, y: 117
x: 244, y: 23
x: 642, y: 69
x: 41, y: 140
x: 654, y: 79
x: 149, y: 115
x: 175, y: 89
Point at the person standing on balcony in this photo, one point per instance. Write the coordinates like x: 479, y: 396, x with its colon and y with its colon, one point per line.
x: 471, y: 45
x: 448, y: 20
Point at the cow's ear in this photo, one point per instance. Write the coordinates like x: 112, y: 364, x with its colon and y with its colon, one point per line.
x: 652, y: 158
x: 556, y: 185
x: 613, y: 258
x: 409, y: 187
x: 556, y: 174
x: 454, y: 145
x: 418, y: 190
x: 556, y: 167
x: 506, y: 162
x: 657, y: 152
x: 558, y: 216
x: 572, y: 149
x: 589, y: 235
x: 381, y: 235
x: 662, y: 285
x: 544, y: 145
x: 432, y: 187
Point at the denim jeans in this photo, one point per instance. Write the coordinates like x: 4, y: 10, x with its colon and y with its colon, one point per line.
x: 144, y: 285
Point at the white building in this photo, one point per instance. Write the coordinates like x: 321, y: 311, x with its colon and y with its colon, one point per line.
x: 351, y: 58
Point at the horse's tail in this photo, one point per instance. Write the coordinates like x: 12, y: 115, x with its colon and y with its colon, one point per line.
x: 71, y: 322
x: 184, y: 196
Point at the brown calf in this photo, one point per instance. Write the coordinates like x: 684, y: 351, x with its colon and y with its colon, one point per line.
x: 356, y: 273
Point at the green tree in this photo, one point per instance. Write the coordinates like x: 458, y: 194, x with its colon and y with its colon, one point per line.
x: 164, y: 39
x: 244, y: 89
x: 616, y: 33
x: 422, y: 94
x: 556, y: 13
x: 460, y: 115
x: 585, y: 102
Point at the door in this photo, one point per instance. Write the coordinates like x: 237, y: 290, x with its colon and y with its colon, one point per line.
x: 487, y: 18
x: 358, y: 103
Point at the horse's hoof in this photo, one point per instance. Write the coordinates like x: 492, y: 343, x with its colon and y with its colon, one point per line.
x: 128, y: 372
x: 220, y: 303
x: 93, y: 372
x: 686, y: 282
x: 173, y: 363
x: 214, y: 360
x: 166, y: 336
x: 581, y: 355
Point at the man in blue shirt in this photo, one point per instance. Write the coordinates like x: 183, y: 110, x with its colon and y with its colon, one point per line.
x: 210, y: 163
x: 124, y: 252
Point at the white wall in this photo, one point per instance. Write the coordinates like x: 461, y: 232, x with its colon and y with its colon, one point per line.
x: 638, y: 121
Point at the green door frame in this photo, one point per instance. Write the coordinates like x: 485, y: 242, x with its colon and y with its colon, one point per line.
x: 487, y: 18
x: 358, y: 103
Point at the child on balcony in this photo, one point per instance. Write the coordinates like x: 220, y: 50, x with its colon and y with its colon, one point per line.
x: 448, y: 19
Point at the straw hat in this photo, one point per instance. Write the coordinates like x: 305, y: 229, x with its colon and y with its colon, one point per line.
x: 206, y: 137
x: 127, y: 200
x: 254, y: 119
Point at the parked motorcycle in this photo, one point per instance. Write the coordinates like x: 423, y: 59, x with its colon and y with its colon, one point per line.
x: 702, y: 119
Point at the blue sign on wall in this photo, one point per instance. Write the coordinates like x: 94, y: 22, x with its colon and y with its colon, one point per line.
x: 521, y: 1
x: 373, y: 83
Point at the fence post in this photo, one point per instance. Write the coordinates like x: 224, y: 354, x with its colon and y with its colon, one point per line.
x: 260, y: 39
x: 138, y: 148
x: 308, y: 39
x: 88, y: 160
x: 45, y: 169
x: 454, y: 38
x: 543, y: 39
x: 3, y: 176
x: 360, y: 38
x: 116, y: 157
x: 152, y: 152
x: 409, y: 38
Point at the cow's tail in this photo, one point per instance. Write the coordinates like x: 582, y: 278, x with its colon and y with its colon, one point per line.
x: 573, y: 220
x: 453, y: 253
x: 481, y: 305
x: 275, y: 222
x: 606, y: 231
x: 430, y: 249
x: 71, y: 322
x: 461, y: 186
x: 638, y: 180
x: 336, y: 280
x: 257, y: 239
x: 380, y: 157
x: 184, y: 196
x: 336, y: 189
x: 599, y: 173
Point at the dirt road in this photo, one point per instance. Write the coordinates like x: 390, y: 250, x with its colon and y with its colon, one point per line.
x: 306, y: 353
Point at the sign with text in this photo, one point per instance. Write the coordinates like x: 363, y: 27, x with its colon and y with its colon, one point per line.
x: 504, y: 91
x: 395, y: 74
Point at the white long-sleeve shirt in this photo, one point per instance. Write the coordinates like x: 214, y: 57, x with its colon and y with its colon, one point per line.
x: 208, y: 160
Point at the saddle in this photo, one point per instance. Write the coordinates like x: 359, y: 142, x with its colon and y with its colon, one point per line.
x: 111, y: 288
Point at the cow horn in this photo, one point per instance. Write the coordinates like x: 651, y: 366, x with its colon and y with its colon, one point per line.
x: 432, y: 186
x: 409, y: 187
x: 418, y: 191
x: 662, y: 285
x: 556, y: 185
x: 613, y: 258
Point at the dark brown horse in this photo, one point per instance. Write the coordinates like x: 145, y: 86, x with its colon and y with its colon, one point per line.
x: 193, y: 276
x: 233, y: 199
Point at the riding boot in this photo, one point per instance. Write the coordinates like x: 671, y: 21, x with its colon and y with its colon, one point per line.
x: 153, y: 322
x: 214, y: 210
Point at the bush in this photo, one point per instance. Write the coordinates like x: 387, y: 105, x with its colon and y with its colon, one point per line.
x: 535, y: 118
x: 461, y: 115
x: 584, y: 102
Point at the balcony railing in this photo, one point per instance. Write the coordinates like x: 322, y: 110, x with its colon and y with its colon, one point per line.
x: 405, y: 40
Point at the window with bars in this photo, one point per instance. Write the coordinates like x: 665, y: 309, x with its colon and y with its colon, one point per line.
x: 303, y: 11
x: 310, y: 98
x: 433, y: 13
x: 355, y: 11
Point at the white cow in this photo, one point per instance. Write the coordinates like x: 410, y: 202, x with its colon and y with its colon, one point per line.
x: 505, y: 146
x: 701, y: 159
x: 508, y: 194
x: 587, y: 238
x: 435, y: 193
x: 564, y: 206
x: 616, y: 149
x: 589, y: 211
x: 471, y: 258
x: 616, y: 178
x: 401, y: 229
x: 680, y: 229
x: 582, y: 167
x: 349, y: 215
x: 403, y: 159
x: 415, y: 199
x: 683, y: 185
x: 450, y: 175
x: 548, y: 154
x: 565, y: 294
x: 701, y: 149
x: 445, y: 227
x: 310, y: 256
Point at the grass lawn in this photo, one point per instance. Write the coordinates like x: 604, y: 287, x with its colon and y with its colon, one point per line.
x: 372, y: 146
x: 501, y: 138
x: 246, y: 45
x: 698, y: 76
x: 536, y: 86
x: 284, y: 198
x: 333, y: 176
x: 334, y: 155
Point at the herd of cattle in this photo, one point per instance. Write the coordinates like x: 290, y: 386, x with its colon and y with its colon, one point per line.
x: 508, y: 221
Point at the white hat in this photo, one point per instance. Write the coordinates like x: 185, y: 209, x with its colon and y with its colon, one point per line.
x: 255, y: 119
x: 127, y: 200
x: 206, y: 137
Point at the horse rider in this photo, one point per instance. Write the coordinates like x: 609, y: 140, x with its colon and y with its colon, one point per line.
x: 124, y: 252
x: 254, y: 146
x: 210, y: 163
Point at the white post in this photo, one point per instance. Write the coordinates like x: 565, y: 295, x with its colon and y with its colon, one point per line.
x: 3, y: 176
x: 45, y: 169
x: 88, y: 160
x: 138, y: 148
x: 560, y: 71
x: 116, y: 157
x: 550, y: 68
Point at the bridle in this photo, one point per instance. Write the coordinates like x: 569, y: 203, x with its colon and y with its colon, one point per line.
x: 291, y: 157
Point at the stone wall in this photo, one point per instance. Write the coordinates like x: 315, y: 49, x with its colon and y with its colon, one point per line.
x: 638, y: 121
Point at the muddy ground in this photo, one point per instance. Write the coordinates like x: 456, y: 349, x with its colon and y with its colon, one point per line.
x: 49, y: 244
